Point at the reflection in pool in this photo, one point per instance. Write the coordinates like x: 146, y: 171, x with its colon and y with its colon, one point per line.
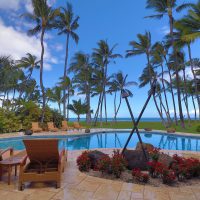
x: 114, y: 140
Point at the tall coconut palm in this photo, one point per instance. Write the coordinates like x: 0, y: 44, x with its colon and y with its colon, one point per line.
x: 168, y: 7
x: 81, y: 66
x: 187, y: 32
x: 67, y: 24
x: 44, y: 17
x: 158, y: 53
x: 103, y: 55
x: 78, y: 107
x: 117, y: 84
x: 29, y: 63
x: 143, y: 46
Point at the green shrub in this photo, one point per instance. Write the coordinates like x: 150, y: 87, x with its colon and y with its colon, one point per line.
x: 198, y: 129
x: 57, y: 118
x: 9, y: 122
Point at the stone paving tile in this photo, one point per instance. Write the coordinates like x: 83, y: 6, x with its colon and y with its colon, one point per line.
x: 8, y: 195
x: 124, y: 195
x: 105, y: 191
x: 41, y: 194
x: 73, y: 194
x: 88, y: 186
x: 181, y: 196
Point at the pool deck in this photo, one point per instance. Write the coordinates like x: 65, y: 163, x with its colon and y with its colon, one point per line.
x: 92, y: 131
x: 79, y: 186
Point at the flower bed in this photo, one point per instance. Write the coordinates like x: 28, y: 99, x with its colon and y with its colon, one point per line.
x: 180, y: 171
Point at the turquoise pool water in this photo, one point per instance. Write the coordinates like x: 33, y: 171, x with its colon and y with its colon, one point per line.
x: 113, y: 140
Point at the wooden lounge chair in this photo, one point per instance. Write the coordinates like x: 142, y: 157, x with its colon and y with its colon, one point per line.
x: 65, y: 126
x: 46, y: 162
x: 78, y: 126
x: 5, y: 152
x: 35, y: 127
x: 51, y: 127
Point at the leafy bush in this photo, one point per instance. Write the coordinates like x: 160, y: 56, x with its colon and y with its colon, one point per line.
x: 139, y: 176
x: 118, y: 164
x: 198, y: 129
x: 168, y: 176
x: 83, y: 162
x: 104, y: 164
x: 57, y: 118
x: 154, y: 154
x: 9, y: 122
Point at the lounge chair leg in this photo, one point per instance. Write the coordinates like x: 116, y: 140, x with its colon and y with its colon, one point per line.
x: 21, y: 187
x: 58, y: 185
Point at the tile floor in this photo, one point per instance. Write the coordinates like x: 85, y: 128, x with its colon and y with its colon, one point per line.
x: 78, y: 186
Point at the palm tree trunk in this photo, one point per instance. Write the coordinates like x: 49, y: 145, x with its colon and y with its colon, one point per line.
x: 165, y: 95
x: 101, y: 111
x: 97, y: 111
x: 160, y: 114
x: 104, y: 92
x: 68, y: 98
x: 41, y: 75
x: 195, y: 78
x: 115, y: 107
x: 171, y: 21
x: 186, y: 97
x: 59, y: 108
x: 65, y: 75
x: 195, y: 112
x: 171, y: 90
x: 88, y: 115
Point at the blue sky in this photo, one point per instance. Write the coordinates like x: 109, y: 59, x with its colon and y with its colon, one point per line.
x: 115, y: 20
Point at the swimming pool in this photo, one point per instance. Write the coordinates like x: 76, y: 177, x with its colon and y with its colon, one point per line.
x: 113, y: 140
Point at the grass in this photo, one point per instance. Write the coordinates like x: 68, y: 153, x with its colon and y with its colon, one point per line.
x: 152, y: 125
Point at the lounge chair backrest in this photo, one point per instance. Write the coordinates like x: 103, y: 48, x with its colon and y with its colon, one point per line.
x: 76, y: 124
x: 35, y: 125
x: 64, y: 124
x: 50, y: 124
x: 42, y: 150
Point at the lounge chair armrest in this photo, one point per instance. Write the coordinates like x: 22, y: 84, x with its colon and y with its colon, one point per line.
x: 61, y: 154
x: 23, y: 161
x: 6, y: 150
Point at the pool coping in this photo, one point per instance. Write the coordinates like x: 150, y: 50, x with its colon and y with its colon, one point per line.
x: 93, y: 131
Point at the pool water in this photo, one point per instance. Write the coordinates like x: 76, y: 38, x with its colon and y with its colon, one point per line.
x: 112, y: 140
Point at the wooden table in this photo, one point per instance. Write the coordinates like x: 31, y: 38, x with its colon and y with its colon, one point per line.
x: 12, y: 161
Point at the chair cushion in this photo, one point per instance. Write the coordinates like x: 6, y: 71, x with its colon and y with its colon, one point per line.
x: 41, y: 168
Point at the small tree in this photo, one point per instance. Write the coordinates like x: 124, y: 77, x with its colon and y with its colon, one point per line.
x: 78, y: 108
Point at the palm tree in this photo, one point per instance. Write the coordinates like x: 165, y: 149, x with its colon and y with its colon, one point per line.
x: 188, y: 32
x: 78, y: 108
x: 143, y: 46
x: 168, y: 7
x: 67, y: 24
x: 158, y: 54
x: 81, y: 66
x: 102, y: 56
x: 117, y: 84
x: 44, y: 17
x: 30, y: 63
x: 56, y: 96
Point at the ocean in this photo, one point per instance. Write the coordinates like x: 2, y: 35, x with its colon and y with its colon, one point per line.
x: 144, y: 119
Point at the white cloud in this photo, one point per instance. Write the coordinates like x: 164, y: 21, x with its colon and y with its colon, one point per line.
x: 28, y: 6
x: 165, y: 30
x: 17, y: 44
x: 58, y: 47
x: 10, y: 4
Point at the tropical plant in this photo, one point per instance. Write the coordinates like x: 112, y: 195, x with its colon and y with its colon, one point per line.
x: 81, y: 66
x: 67, y: 24
x: 44, y: 17
x: 117, y: 84
x: 78, y: 108
x: 102, y: 56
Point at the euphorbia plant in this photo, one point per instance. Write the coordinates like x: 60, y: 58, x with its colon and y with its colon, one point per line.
x: 118, y: 163
x: 140, y: 176
x: 154, y: 154
x: 84, y: 162
x: 104, y: 164
x: 168, y: 176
